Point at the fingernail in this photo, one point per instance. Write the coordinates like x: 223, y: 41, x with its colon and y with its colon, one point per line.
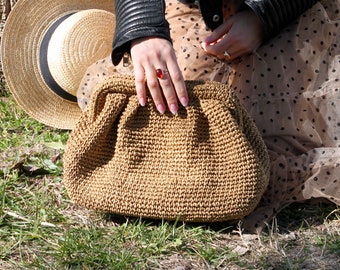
x: 204, y: 46
x: 173, y: 108
x: 184, y: 101
x: 161, y: 108
x: 142, y: 101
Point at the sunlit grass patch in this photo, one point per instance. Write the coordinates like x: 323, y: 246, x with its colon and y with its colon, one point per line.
x: 40, y: 228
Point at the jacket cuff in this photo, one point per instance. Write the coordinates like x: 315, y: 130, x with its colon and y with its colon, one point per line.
x: 277, y: 14
x: 137, y: 19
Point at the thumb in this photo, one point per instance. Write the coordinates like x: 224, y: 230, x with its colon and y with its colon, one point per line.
x: 218, y: 33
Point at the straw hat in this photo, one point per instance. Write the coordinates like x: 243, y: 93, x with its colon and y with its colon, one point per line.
x: 46, y: 48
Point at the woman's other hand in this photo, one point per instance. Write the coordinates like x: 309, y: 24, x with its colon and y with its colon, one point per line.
x: 148, y: 55
x: 239, y: 35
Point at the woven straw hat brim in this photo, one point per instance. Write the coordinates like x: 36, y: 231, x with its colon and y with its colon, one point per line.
x: 24, y: 31
x: 90, y: 32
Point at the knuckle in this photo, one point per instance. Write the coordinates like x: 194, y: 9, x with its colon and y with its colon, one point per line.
x: 139, y: 80
x: 171, y: 100
x: 176, y: 77
x: 166, y: 83
x: 140, y: 91
x: 152, y: 84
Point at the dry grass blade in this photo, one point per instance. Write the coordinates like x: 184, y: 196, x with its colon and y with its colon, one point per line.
x: 40, y: 228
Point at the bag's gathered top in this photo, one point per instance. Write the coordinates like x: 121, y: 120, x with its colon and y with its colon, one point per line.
x: 207, y: 163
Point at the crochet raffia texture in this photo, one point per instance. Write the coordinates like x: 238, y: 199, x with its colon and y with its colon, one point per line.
x: 207, y: 163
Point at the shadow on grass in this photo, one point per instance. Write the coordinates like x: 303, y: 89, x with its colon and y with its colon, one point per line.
x: 293, y: 217
x: 225, y: 227
x: 303, y: 215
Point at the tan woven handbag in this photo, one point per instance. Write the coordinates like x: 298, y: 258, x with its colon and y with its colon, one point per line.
x: 207, y: 163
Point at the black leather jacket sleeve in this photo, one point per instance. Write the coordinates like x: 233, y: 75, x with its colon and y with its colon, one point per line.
x: 276, y: 14
x: 137, y: 19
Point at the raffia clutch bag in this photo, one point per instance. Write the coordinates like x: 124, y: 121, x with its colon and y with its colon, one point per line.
x: 207, y: 163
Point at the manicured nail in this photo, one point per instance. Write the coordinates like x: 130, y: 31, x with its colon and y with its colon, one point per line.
x: 184, y: 101
x: 173, y: 108
x: 161, y: 108
x: 204, y: 46
x: 142, y: 101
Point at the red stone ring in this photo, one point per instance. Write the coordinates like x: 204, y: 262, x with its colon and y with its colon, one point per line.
x: 161, y: 73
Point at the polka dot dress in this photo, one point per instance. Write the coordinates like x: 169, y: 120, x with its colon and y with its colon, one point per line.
x: 290, y: 86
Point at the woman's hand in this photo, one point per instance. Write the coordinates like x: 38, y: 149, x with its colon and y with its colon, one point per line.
x: 239, y: 35
x: 148, y: 55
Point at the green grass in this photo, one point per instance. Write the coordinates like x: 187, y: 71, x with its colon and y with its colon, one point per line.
x: 40, y: 228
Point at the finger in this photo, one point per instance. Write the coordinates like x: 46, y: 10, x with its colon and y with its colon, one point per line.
x: 218, y: 33
x: 178, y: 84
x: 235, y: 50
x: 140, y: 84
x: 218, y: 42
x: 165, y: 81
x: 225, y: 49
x: 220, y: 50
x: 154, y: 88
